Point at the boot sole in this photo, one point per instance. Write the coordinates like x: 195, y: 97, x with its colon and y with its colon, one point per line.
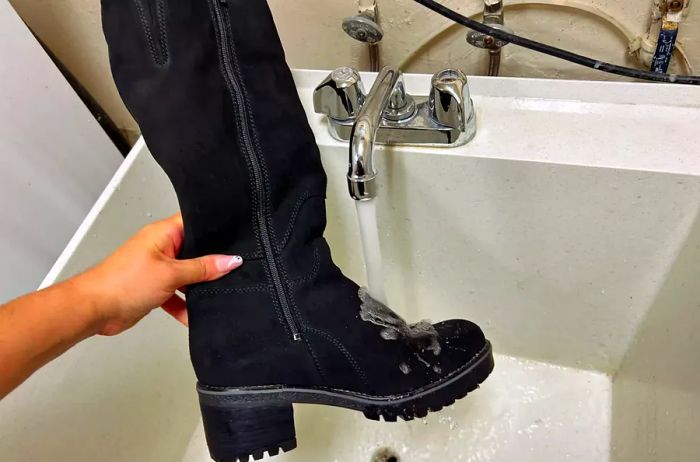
x: 252, y: 421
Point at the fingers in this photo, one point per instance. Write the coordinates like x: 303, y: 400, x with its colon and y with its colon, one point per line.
x: 176, y: 307
x: 166, y: 234
x: 175, y: 220
x: 175, y: 230
x: 207, y: 268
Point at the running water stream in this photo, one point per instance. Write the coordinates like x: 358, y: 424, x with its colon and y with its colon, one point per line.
x: 369, y: 234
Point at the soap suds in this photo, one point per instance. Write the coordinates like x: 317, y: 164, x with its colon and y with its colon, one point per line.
x: 421, y: 334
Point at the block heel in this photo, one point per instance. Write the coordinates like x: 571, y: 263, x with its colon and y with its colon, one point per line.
x: 236, y: 430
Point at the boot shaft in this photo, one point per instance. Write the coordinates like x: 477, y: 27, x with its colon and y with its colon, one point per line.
x: 231, y: 153
x: 218, y: 108
x: 207, y: 82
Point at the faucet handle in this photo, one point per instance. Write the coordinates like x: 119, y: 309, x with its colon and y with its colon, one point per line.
x: 341, y: 95
x: 449, y: 101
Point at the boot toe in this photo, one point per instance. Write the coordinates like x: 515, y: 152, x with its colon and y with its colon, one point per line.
x: 461, y: 340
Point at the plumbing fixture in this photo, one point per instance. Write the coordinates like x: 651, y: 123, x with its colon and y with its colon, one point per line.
x: 557, y: 52
x: 385, y: 455
x: 388, y: 115
x: 364, y: 27
x: 669, y: 15
x: 388, y: 90
x: 638, y: 46
x: 493, y: 16
x: 340, y: 95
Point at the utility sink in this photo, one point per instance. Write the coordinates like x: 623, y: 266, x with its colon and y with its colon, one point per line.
x: 568, y: 229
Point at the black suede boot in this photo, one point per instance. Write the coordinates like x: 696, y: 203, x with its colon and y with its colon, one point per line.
x: 209, y: 86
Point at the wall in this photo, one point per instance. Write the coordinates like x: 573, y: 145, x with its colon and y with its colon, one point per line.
x: 45, y: 129
x: 656, y: 392
x: 71, y: 28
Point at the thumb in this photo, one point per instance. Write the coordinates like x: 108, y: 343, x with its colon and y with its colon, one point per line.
x: 206, y: 268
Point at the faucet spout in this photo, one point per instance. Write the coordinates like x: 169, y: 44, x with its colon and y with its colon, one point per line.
x: 387, y: 91
x: 389, y: 115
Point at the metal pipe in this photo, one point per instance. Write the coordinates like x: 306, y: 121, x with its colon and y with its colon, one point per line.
x: 493, y: 16
x: 373, y: 49
x: 365, y: 27
x: 494, y: 62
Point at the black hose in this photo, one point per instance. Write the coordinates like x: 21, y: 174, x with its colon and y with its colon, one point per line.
x: 557, y: 52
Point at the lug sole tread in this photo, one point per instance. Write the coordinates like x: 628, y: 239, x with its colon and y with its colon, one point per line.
x: 406, y: 409
x: 258, y: 454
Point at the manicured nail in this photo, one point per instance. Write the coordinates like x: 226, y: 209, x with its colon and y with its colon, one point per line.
x: 229, y: 263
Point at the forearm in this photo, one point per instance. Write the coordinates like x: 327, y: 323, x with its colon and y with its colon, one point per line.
x: 38, y: 327
x: 142, y: 274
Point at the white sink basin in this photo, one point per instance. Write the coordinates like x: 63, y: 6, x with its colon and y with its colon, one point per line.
x: 568, y: 229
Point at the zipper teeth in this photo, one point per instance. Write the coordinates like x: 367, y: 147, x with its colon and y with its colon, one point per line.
x: 157, y: 46
x: 221, y: 18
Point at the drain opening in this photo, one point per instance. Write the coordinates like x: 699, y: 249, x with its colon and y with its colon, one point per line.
x: 385, y: 455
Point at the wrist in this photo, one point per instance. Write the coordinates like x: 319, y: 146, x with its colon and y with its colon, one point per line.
x: 90, y: 302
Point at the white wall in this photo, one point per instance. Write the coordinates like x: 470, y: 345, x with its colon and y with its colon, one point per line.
x: 313, y: 38
x: 54, y: 159
x: 656, y: 393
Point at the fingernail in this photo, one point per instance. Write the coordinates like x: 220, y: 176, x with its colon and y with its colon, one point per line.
x: 228, y: 263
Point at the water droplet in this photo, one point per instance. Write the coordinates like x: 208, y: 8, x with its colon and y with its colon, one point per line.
x: 405, y: 368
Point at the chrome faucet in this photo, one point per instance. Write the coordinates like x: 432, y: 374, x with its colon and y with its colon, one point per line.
x: 388, y: 115
x: 387, y: 93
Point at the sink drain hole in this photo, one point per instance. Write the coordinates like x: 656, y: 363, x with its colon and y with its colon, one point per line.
x: 385, y: 455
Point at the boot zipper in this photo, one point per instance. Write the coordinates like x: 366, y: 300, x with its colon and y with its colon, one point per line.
x: 222, y: 18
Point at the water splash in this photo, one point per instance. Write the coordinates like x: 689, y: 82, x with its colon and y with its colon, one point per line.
x: 421, y: 334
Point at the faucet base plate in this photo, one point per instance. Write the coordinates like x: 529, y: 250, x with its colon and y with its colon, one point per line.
x: 420, y: 129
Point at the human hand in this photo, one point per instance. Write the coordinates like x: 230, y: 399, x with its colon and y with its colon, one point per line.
x: 144, y: 274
